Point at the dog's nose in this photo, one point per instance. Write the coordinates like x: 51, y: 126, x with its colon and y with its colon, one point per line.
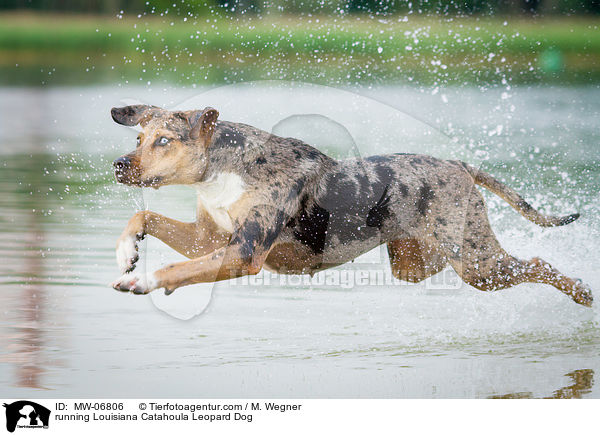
x: 122, y: 163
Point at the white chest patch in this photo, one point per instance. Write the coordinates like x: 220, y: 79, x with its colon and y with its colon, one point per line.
x: 218, y: 194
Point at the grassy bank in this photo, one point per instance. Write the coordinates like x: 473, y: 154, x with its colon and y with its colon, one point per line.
x: 345, y: 50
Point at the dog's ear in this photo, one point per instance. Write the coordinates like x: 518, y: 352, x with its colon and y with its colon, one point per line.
x: 202, y: 123
x: 133, y: 115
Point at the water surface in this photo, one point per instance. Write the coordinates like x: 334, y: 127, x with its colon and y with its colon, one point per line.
x: 65, y: 333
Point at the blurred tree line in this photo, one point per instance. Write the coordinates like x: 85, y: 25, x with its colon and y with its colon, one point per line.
x: 379, y: 7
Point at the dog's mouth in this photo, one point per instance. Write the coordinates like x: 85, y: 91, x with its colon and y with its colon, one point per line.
x: 154, y: 182
x: 133, y: 179
x: 125, y: 177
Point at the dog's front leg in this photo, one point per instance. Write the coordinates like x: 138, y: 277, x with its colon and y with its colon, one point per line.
x: 225, y: 263
x: 190, y: 239
x: 245, y: 254
x: 127, y: 249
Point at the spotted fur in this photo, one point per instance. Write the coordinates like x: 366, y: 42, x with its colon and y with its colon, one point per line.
x: 281, y: 204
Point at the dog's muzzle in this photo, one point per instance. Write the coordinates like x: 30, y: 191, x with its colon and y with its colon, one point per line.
x: 122, y: 166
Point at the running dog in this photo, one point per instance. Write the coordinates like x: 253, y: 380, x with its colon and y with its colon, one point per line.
x: 277, y: 203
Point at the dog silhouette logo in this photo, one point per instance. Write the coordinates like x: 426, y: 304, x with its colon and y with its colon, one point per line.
x: 26, y: 414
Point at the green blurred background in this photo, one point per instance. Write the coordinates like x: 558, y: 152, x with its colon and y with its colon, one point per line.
x: 343, y: 42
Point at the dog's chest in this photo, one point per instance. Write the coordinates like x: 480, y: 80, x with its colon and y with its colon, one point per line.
x: 217, y: 194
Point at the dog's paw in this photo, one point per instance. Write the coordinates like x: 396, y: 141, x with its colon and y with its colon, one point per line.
x: 135, y: 282
x: 582, y: 294
x: 127, y: 253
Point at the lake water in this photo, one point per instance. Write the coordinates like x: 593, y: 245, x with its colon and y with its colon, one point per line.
x: 65, y: 333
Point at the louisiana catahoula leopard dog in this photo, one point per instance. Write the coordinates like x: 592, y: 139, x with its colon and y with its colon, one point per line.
x: 277, y: 203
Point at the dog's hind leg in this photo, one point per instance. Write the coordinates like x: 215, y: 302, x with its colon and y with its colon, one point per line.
x: 502, y: 270
x: 480, y: 261
x: 413, y: 260
x: 190, y: 239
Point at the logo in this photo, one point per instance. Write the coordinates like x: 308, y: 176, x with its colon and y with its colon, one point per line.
x: 26, y: 414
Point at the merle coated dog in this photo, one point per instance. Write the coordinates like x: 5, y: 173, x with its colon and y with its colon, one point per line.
x: 277, y: 203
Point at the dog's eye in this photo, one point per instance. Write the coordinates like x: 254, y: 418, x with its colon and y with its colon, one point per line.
x: 138, y: 141
x: 162, y: 141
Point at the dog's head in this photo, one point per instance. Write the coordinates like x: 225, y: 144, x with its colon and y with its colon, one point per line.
x: 171, y: 148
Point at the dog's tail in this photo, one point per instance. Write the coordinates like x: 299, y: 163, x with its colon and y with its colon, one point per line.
x: 516, y: 201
